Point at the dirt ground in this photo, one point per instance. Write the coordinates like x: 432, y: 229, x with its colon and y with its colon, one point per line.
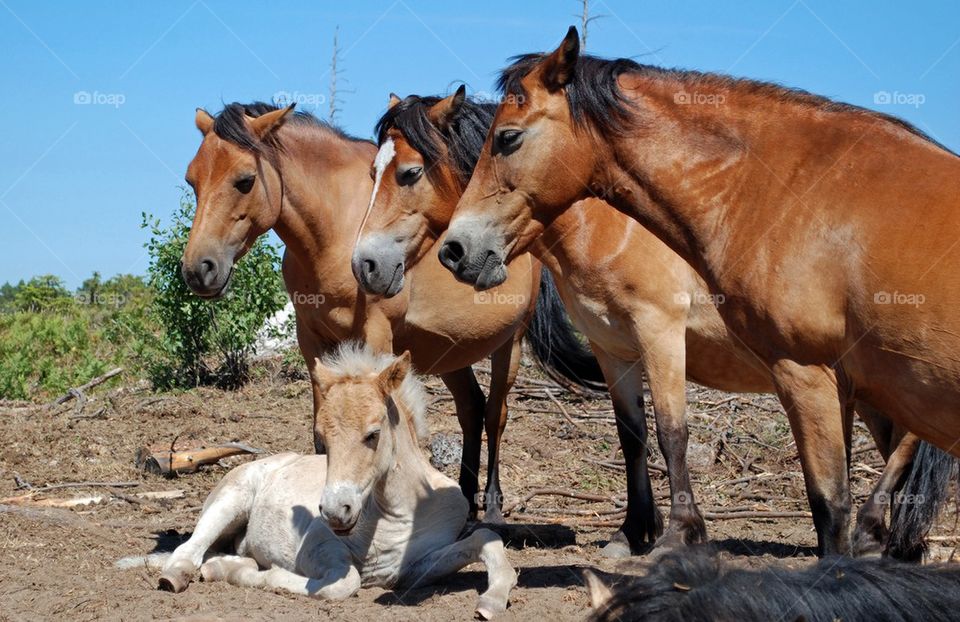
x: 59, y: 563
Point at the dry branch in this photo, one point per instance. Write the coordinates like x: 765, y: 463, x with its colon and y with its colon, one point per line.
x: 78, y: 392
x: 168, y: 461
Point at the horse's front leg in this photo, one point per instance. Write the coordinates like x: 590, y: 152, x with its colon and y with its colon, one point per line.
x: 482, y: 545
x: 324, y: 565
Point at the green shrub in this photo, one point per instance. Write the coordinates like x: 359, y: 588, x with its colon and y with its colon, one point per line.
x: 204, y: 342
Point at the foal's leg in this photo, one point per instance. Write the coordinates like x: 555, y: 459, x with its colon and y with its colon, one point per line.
x: 643, y: 523
x: 664, y: 358
x: 503, y: 371
x: 482, y: 545
x: 810, y: 396
x: 325, y: 563
x: 225, y: 512
x: 470, y: 403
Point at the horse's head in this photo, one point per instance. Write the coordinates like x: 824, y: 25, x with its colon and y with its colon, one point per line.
x: 361, y: 420
x: 535, y: 163
x: 418, y: 180
x: 236, y: 180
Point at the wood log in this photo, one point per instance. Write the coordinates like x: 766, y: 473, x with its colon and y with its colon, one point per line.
x: 170, y: 462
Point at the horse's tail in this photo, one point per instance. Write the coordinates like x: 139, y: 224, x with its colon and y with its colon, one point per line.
x: 154, y: 561
x: 556, y: 346
x: 921, y: 499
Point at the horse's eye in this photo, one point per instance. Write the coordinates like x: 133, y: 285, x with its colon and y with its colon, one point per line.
x: 409, y: 176
x: 244, y: 184
x: 372, y: 437
x: 509, y: 141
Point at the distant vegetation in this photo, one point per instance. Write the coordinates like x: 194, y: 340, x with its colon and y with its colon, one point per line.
x: 52, y: 339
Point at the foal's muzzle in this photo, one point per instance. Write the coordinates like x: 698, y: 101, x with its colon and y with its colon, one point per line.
x: 340, y: 507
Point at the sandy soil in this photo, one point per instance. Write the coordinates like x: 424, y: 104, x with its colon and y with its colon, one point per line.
x: 58, y: 563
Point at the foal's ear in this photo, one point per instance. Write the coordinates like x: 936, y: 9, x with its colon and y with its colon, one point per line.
x: 557, y: 68
x: 392, y: 377
x: 204, y: 121
x: 394, y: 100
x: 266, y: 123
x: 443, y: 112
x: 322, y: 376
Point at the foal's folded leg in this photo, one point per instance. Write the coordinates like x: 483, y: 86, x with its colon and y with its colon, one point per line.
x: 333, y: 583
x: 482, y: 545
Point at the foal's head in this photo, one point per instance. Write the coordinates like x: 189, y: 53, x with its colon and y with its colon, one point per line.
x: 371, y: 413
x: 235, y: 176
x: 428, y: 147
x: 539, y: 158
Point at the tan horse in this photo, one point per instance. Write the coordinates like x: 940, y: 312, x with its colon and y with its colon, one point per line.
x: 788, y: 205
x: 642, y: 307
x: 372, y: 512
x: 260, y: 168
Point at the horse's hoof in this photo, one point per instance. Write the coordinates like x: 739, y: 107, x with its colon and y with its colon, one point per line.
x: 213, y: 570
x: 489, y: 607
x: 493, y: 517
x: 616, y: 549
x: 174, y: 582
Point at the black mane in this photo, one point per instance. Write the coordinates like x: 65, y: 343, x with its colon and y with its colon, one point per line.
x: 595, y: 97
x: 463, y: 139
x: 695, y: 586
x: 230, y: 126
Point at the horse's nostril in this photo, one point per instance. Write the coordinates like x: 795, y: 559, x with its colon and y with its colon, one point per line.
x: 369, y: 266
x: 346, y: 508
x: 451, y: 253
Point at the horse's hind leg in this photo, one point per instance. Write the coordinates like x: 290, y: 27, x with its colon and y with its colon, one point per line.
x: 482, y: 545
x: 224, y: 513
x: 818, y: 419
x: 470, y: 404
x: 503, y: 371
x: 643, y: 523
x: 871, y: 534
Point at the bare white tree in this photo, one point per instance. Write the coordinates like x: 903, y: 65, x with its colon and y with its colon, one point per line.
x: 335, y: 72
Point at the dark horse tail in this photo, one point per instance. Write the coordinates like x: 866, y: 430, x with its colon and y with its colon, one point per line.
x: 919, y: 502
x: 557, y: 347
x: 694, y: 585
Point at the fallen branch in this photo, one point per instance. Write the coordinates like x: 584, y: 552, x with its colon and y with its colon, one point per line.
x: 557, y: 492
x: 78, y: 392
x: 169, y: 462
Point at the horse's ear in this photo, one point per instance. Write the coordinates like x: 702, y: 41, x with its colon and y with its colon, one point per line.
x: 600, y: 594
x: 392, y: 377
x: 323, y: 377
x: 266, y: 123
x: 443, y: 112
x: 558, y: 66
x: 204, y: 121
x: 394, y: 100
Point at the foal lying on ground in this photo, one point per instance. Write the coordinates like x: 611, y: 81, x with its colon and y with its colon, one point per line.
x: 372, y: 512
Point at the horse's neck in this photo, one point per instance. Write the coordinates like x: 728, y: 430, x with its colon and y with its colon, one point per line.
x: 326, y: 187
x: 402, y: 486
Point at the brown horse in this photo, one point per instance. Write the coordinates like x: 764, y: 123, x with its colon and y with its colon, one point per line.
x: 642, y: 307
x: 261, y: 167
x: 785, y: 203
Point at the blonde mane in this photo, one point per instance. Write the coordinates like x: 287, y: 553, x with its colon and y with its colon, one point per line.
x: 354, y: 360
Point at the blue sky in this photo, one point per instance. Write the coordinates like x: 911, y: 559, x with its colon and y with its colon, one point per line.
x: 74, y: 177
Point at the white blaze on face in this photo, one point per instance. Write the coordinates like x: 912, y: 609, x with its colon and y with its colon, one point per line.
x: 380, y: 163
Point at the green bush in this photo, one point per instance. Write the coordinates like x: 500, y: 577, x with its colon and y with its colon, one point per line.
x: 204, y: 342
